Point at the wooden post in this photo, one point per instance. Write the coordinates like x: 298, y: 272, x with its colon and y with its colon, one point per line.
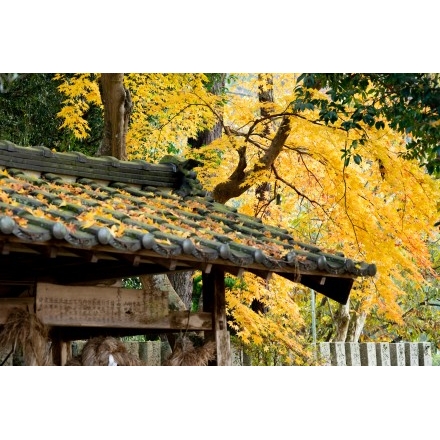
x: 214, y: 301
x: 61, y: 349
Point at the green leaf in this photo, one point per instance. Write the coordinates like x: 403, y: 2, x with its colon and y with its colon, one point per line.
x: 347, y: 125
x: 308, y: 79
x: 369, y: 120
x: 379, y: 125
x: 333, y: 116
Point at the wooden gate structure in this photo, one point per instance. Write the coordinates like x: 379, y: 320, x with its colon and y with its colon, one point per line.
x: 70, y: 225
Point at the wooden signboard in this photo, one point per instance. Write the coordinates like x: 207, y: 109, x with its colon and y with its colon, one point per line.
x: 98, y: 306
x: 112, y: 307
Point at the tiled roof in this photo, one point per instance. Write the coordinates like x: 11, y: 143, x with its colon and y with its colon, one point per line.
x: 65, y: 206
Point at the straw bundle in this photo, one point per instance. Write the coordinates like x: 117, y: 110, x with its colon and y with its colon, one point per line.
x: 74, y: 362
x: 186, y: 354
x: 24, y: 331
x: 104, y: 351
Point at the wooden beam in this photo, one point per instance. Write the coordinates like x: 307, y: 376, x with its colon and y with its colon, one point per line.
x: 337, y: 289
x: 193, y: 321
x: 5, y: 248
x: 264, y: 274
x: 102, y: 270
x: 236, y: 271
x: 53, y: 252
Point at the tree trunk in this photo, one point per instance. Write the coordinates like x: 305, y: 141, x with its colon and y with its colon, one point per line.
x: 117, y: 109
x: 357, y: 323
x: 207, y: 136
x: 265, y: 97
x: 161, y: 283
x: 342, y: 322
x: 182, y: 283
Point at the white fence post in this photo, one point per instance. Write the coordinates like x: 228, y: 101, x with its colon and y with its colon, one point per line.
x: 383, y: 354
x: 397, y: 353
x: 324, y: 353
x: 368, y: 354
x: 353, y: 354
x: 425, y: 355
x: 411, y: 354
x: 337, y: 350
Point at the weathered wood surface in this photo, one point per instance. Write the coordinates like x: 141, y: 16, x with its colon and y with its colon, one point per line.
x: 214, y: 300
x: 8, y: 304
x: 61, y: 352
x: 112, y: 307
x: 194, y: 321
x: 93, y: 306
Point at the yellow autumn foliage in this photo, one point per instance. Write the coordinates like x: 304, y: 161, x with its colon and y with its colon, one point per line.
x: 381, y: 210
x: 167, y: 109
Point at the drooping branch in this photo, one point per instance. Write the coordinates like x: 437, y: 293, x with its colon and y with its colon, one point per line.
x: 298, y: 192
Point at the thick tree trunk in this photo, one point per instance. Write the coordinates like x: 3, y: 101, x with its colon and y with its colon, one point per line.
x: 265, y: 97
x: 182, y: 283
x: 236, y: 184
x: 117, y: 109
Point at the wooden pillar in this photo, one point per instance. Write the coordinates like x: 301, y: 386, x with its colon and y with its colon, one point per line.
x: 214, y: 301
x: 61, y: 349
